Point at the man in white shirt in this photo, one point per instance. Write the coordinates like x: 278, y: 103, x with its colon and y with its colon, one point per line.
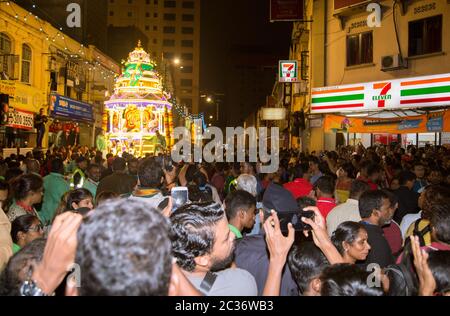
x: 349, y: 210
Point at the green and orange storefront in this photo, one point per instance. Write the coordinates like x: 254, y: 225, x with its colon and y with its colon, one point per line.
x: 414, y: 110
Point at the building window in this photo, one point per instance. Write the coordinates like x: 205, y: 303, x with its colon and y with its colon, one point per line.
x: 111, y: 13
x: 26, y: 63
x: 187, y: 43
x: 147, y: 28
x: 188, y: 4
x: 170, y: 16
x: 187, y: 56
x: 187, y: 30
x: 147, y: 14
x: 168, y: 43
x: 155, y: 2
x: 130, y: 1
x: 170, y: 4
x: 155, y: 28
x: 188, y: 17
x: 130, y: 14
x: 111, y: 1
x: 359, y: 49
x: 186, y: 69
x: 5, y: 44
x: 425, y: 36
x: 168, y: 55
x: 186, y: 82
x: 155, y: 15
x: 169, y: 29
x: 147, y: 1
x: 155, y: 41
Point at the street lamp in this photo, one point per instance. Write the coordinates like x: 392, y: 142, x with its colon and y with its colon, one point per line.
x: 210, y: 117
x: 176, y: 61
x: 209, y: 99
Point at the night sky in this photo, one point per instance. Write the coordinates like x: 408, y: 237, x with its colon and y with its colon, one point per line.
x: 227, y: 24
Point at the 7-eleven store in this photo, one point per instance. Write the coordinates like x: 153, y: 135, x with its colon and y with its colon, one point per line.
x: 410, y: 110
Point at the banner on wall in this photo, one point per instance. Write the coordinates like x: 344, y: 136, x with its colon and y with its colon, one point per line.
x: 64, y: 107
x: 407, y: 93
x: 434, y: 122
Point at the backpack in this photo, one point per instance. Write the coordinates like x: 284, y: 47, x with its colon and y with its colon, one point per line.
x: 402, y: 276
x: 419, y: 233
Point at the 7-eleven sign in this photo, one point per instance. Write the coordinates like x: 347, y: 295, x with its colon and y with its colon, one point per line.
x: 288, y: 71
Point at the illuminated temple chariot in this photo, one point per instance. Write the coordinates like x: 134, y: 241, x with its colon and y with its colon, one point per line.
x: 139, y: 108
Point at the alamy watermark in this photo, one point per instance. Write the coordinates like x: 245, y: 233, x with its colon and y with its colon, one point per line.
x: 219, y: 148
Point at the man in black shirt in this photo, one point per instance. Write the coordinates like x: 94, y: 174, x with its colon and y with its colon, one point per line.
x: 407, y: 198
x: 39, y: 124
x: 251, y: 252
x: 376, y: 211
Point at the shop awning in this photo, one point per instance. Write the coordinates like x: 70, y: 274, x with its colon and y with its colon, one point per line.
x: 431, y: 122
x: 63, y: 107
x: 407, y: 93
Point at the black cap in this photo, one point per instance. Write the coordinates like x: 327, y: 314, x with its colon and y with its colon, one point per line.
x: 279, y: 199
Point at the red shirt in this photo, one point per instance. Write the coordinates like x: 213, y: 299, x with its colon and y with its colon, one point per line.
x: 325, y: 205
x: 393, y: 235
x: 372, y: 185
x: 299, y: 187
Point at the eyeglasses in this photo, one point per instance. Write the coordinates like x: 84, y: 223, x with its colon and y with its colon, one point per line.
x: 37, y: 228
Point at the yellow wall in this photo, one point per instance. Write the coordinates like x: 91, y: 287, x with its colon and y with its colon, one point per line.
x: 44, y: 41
x: 384, y: 43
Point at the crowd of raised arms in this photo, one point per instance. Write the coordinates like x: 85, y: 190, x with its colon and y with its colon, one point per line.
x: 352, y: 222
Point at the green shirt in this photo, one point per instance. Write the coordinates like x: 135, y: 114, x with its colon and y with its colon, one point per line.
x: 54, y: 188
x: 101, y: 143
x: 235, y: 231
x: 15, y: 248
x: 91, y: 186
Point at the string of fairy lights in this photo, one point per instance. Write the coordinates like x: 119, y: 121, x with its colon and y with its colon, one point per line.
x: 80, y: 53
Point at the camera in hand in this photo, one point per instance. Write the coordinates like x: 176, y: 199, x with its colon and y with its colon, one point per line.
x: 295, y: 218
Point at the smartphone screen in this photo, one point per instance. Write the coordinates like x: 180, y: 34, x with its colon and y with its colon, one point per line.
x: 179, y: 197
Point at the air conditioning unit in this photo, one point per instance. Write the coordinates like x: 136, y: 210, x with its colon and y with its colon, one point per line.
x: 393, y: 62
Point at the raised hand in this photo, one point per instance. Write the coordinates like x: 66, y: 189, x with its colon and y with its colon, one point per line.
x: 426, y: 280
x: 278, y: 244
x: 320, y: 235
x: 59, y: 252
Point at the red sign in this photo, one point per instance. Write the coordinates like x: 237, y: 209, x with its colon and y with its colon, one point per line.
x: 286, y: 10
x: 21, y: 120
x: 341, y: 4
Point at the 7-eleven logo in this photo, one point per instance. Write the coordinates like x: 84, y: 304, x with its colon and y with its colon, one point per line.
x: 288, y: 71
x: 385, y: 87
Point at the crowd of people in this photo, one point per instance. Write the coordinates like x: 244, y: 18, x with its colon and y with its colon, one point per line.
x: 352, y: 222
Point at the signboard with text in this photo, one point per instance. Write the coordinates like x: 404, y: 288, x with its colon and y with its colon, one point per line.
x: 286, y: 10
x: 414, y: 92
x: 288, y: 71
x: 21, y: 119
x: 61, y: 106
